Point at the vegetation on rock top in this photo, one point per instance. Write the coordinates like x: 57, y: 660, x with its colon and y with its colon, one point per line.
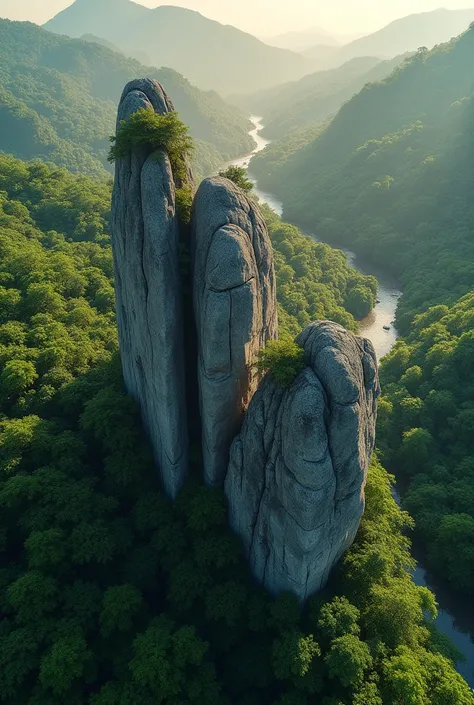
x: 284, y: 359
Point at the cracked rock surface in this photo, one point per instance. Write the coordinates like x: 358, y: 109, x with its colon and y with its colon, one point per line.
x: 235, y: 309
x: 145, y: 239
x: 298, y: 469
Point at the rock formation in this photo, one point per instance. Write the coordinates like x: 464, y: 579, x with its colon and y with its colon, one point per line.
x: 294, y: 460
x: 145, y: 239
x: 235, y: 309
x: 297, y: 470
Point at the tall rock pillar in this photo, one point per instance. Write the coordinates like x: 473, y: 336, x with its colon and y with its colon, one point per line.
x: 235, y: 309
x: 145, y: 240
x: 298, y: 469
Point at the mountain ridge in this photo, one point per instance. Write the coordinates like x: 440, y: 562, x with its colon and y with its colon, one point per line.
x: 188, y: 42
x: 62, y: 92
x: 406, y: 34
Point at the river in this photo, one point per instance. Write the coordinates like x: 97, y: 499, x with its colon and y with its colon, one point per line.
x: 455, y: 616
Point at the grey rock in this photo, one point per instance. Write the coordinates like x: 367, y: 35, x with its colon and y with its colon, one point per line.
x: 234, y: 294
x: 145, y: 239
x: 298, y: 469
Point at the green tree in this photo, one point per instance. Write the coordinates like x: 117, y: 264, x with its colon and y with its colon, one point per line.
x: 238, y: 175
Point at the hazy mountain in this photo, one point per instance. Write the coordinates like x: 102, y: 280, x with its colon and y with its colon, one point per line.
x: 138, y: 55
x: 393, y: 171
x: 304, y: 39
x: 58, y: 99
x: 408, y: 34
x: 315, y: 97
x: 321, y: 53
x: 209, y: 54
x: 103, y: 18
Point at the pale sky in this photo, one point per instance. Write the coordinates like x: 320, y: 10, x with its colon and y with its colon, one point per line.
x: 267, y: 17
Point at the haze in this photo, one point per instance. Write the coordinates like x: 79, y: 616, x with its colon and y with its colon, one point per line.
x: 266, y: 17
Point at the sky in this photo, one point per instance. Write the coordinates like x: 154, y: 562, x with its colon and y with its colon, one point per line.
x: 267, y: 17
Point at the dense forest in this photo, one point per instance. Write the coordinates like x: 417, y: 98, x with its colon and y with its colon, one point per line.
x: 110, y: 595
x: 426, y: 431
x: 399, y: 191
x: 391, y: 176
x: 58, y: 100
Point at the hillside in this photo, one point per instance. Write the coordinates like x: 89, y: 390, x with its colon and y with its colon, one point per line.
x: 391, y: 177
x: 409, y: 34
x: 317, y: 96
x: 403, y: 136
x: 58, y: 96
x: 210, y: 55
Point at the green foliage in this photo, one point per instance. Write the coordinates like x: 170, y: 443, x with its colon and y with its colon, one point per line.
x: 390, y: 177
x: 238, y: 175
x: 159, y: 132
x: 58, y: 102
x: 112, y: 595
x: 284, y: 359
x: 184, y: 204
x: 314, y: 281
x: 426, y: 431
x: 146, y: 128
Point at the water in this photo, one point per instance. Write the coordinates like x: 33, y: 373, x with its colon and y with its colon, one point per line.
x: 378, y: 327
x: 455, y: 616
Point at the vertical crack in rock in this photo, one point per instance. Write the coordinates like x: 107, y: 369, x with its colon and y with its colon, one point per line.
x: 234, y: 294
x: 145, y: 240
x: 298, y: 468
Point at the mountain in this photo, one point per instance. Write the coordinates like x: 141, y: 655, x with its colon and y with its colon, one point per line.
x: 408, y: 34
x: 58, y: 96
x: 392, y: 175
x: 302, y: 40
x: 321, y: 53
x: 209, y: 54
x: 317, y: 96
x: 140, y: 56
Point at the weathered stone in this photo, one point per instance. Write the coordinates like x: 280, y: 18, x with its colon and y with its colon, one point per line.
x: 145, y: 239
x: 235, y: 310
x: 298, y: 469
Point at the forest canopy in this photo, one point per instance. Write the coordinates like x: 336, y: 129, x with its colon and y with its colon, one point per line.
x: 111, y: 595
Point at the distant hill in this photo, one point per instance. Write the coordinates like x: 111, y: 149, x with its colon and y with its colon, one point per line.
x: 321, y: 53
x: 408, y: 34
x: 58, y: 99
x: 209, y: 54
x: 304, y: 39
x: 391, y: 176
x: 140, y: 56
x: 315, y: 97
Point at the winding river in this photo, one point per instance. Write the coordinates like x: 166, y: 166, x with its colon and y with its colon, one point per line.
x: 455, y: 616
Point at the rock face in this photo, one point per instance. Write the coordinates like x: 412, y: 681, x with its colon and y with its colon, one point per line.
x: 235, y: 309
x: 145, y: 239
x: 298, y: 469
x: 294, y: 460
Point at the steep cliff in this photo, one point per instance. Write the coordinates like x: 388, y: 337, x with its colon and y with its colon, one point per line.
x: 235, y: 309
x: 297, y: 470
x: 293, y: 459
x: 145, y: 239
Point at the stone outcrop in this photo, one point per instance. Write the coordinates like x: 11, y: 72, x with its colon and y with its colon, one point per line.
x: 297, y: 470
x: 235, y: 309
x: 293, y: 460
x: 145, y: 239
